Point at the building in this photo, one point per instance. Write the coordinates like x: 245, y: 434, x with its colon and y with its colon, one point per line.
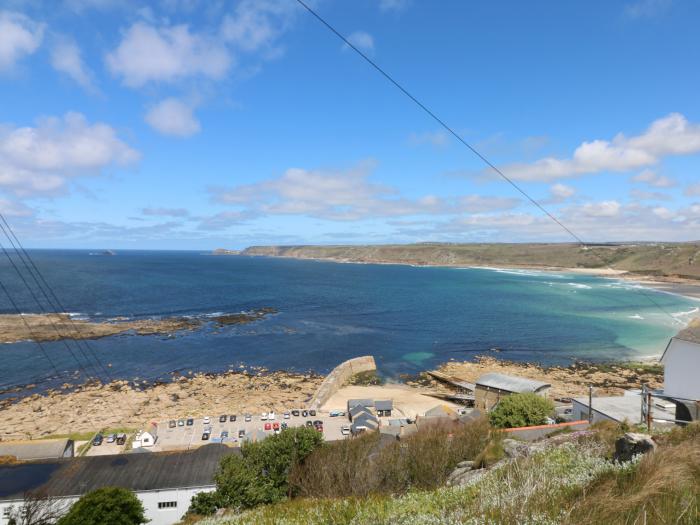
x: 384, y: 407
x: 164, y: 481
x: 146, y: 438
x: 681, y: 361
x: 366, y: 403
x: 38, y: 449
x: 620, y: 409
x: 490, y: 388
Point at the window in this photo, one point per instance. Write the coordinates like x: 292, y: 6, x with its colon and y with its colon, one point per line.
x: 167, y: 504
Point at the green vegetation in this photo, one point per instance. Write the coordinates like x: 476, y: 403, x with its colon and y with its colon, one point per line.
x: 521, y: 410
x: 368, y: 378
x: 658, y: 259
x: 260, y: 474
x: 369, y: 465
x: 573, y: 483
x: 106, y: 506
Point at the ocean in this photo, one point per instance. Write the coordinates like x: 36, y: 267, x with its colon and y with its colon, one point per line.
x: 409, y: 318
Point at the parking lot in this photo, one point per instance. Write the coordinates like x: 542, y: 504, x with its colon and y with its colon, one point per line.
x: 189, y: 436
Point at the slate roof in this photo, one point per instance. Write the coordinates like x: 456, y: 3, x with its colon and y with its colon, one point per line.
x: 137, y: 472
x: 364, y: 420
x: 359, y: 403
x: 384, y: 404
x: 510, y: 383
x: 359, y: 410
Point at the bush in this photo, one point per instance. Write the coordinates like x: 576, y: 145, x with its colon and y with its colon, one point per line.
x: 260, y: 474
x: 106, y: 506
x: 371, y: 465
x: 521, y: 410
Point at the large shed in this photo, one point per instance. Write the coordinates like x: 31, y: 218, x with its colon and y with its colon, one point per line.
x: 490, y: 388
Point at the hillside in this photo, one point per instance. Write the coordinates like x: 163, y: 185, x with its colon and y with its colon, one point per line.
x: 658, y: 260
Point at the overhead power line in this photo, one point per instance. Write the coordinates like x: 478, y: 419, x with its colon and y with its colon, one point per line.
x: 476, y: 152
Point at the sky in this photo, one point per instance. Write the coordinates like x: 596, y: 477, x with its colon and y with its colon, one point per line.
x: 193, y: 124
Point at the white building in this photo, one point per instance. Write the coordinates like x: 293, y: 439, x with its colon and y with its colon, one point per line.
x: 146, y: 438
x: 681, y: 361
x: 164, y: 482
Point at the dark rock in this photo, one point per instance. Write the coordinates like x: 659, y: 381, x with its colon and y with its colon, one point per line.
x: 632, y: 444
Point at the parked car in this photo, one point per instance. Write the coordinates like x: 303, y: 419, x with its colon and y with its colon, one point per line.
x: 248, y: 418
x: 206, y: 420
x: 222, y: 419
x: 312, y: 413
x: 121, y: 439
x: 268, y: 426
x: 295, y: 413
x: 180, y: 422
x: 345, y: 430
x: 285, y: 415
x: 284, y: 425
x: 318, y: 422
x: 205, y: 436
x: 171, y: 423
x: 224, y: 434
x: 319, y: 428
x: 232, y: 417
x: 271, y: 415
x: 241, y: 433
x: 275, y: 426
x: 336, y: 413
x: 263, y: 416
x: 97, y: 440
x: 111, y: 438
x: 190, y: 422
x: 309, y: 424
x: 304, y: 413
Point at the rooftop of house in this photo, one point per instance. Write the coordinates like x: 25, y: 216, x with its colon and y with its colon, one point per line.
x: 625, y: 408
x: 507, y: 383
x: 137, y: 472
x: 384, y: 404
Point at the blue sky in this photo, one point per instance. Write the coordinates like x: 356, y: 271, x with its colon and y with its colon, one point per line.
x: 185, y: 124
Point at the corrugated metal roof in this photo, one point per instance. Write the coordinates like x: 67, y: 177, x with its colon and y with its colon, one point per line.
x: 39, y: 449
x: 158, y: 470
x: 510, y: 383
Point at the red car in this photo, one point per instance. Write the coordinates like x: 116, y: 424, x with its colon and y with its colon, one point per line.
x: 319, y: 428
x: 268, y: 426
x: 275, y: 426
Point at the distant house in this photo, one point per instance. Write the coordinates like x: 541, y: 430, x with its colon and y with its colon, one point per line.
x: 146, y: 438
x: 164, y: 481
x: 681, y: 361
x: 490, y: 388
x: 38, y: 449
x: 359, y: 410
x: 366, y: 403
x: 384, y: 407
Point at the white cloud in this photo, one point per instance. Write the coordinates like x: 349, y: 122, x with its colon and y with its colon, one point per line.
x: 19, y: 36
x: 601, y: 209
x: 165, y: 212
x: 693, y: 190
x: 173, y: 117
x: 670, y: 135
x: 651, y: 178
x: 66, y: 58
x: 14, y: 209
x: 642, y: 195
x: 166, y: 54
x: 346, y: 195
x: 256, y: 24
x: 646, y: 8
x: 663, y: 213
x: 361, y: 40
x: 437, y: 138
x: 40, y: 160
x: 392, y: 5
x: 560, y: 192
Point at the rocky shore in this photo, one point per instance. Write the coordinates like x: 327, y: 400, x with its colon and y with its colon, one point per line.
x: 121, y: 404
x: 54, y: 327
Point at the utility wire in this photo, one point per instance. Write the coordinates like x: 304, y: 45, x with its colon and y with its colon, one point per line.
x: 452, y: 132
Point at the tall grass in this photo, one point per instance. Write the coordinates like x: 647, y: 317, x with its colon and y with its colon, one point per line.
x: 370, y: 465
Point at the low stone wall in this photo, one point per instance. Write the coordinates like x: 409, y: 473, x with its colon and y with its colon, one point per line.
x: 339, y: 376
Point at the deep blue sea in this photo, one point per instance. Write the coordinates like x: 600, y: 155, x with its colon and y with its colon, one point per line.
x: 409, y: 318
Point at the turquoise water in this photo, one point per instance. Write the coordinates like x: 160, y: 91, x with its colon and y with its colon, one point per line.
x: 409, y: 318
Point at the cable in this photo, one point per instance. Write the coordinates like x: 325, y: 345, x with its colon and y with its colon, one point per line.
x: 465, y: 143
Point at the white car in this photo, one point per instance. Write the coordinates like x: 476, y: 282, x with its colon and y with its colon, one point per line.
x: 345, y: 430
x: 286, y: 415
x: 263, y: 416
x: 206, y: 420
x: 271, y: 416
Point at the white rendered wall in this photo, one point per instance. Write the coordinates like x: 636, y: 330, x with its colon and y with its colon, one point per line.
x: 682, y: 370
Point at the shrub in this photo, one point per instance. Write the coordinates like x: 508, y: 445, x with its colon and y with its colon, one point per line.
x: 521, y: 410
x: 106, y: 506
x: 370, y: 464
x: 260, y: 474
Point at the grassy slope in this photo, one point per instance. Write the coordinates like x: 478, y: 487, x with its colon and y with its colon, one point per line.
x: 668, y: 259
x: 570, y: 484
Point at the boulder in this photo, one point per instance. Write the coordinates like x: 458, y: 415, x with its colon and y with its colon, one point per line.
x: 462, y: 477
x: 632, y: 444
